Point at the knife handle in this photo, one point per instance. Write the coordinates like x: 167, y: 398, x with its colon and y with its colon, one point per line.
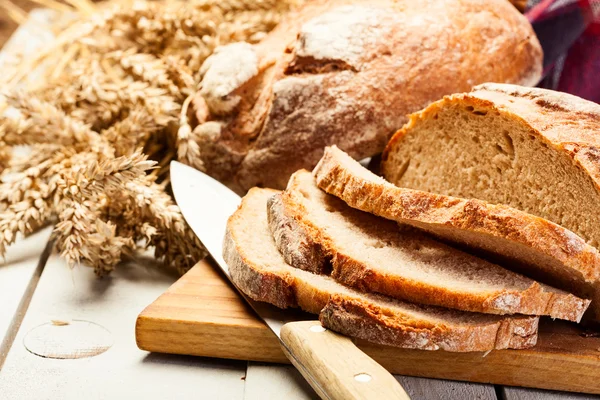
x: 334, y: 366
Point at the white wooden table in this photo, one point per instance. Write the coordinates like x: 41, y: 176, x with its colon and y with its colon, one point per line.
x: 35, y: 290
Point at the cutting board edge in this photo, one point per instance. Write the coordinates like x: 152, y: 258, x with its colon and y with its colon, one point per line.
x: 166, y: 326
x: 275, y: 355
x: 146, y: 339
x: 408, y: 370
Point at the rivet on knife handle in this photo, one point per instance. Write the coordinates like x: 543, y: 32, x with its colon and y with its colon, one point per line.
x: 335, y: 367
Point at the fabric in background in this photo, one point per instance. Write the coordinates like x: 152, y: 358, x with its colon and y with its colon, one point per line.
x: 569, y: 31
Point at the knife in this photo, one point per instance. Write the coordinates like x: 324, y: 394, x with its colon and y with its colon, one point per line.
x: 331, y: 363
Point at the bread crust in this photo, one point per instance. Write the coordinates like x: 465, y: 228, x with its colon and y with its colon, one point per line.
x: 560, y: 121
x: 370, y: 322
x: 347, y: 72
x: 260, y: 285
x: 500, y: 225
x: 301, y: 250
x: 533, y: 300
x: 358, y: 316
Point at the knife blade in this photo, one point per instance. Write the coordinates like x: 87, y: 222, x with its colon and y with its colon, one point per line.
x: 206, y: 205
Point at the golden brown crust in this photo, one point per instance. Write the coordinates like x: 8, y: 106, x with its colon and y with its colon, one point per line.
x: 337, y: 174
x: 378, y: 325
x: 301, y: 251
x: 449, y: 330
x: 326, y: 87
x: 367, y: 277
x: 531, y: 301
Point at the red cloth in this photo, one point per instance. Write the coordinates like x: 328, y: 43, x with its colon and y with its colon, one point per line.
x: 569, y: 31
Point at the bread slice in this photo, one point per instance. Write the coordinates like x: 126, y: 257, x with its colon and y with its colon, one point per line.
x: 520, y: 241
x: 533, y: 149
x: 376, y: 255
x: 260, y: 271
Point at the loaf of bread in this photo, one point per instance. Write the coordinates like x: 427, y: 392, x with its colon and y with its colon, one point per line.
x: 372, y: 254
x: 522, y: 242
x: 532, y: 149
x: 260, y: 271
x: 347, y: 72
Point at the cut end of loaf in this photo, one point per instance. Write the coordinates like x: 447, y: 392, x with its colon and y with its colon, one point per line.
x: 531, y: 149
x: 498, y: 142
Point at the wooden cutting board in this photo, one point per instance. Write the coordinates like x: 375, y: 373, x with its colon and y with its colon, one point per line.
x: 202, y: 315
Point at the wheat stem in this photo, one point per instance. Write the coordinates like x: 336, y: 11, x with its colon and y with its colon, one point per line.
x: 14, y: 12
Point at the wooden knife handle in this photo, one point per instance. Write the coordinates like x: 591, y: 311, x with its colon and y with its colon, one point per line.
x: 334, y: 366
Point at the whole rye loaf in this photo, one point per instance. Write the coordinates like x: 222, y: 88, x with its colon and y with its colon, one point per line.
x: 347, y: 72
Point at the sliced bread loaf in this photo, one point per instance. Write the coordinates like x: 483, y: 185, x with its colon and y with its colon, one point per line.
x: 533, y: 149
x: 376, y: 255
x: 523, y: 242
x: 260, y: 271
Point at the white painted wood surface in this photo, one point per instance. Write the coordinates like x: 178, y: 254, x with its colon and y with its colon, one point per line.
x: 276, y: 381
x: 16, y: 273
x: 123, y: 371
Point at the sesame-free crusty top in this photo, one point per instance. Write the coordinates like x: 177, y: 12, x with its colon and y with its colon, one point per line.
x: 347, y: 72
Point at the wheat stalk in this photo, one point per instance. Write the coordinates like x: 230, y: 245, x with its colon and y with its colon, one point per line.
x: 109, y: 114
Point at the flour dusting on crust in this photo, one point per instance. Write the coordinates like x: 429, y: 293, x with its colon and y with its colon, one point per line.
x: 344, y: 34
x: 228, y: 68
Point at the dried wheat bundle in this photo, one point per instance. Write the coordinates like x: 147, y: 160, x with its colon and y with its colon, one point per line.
x: 102, y: 111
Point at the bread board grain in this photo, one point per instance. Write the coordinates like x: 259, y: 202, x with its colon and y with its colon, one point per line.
x: 202, y: 315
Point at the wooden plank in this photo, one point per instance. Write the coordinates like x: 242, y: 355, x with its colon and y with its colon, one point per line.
x: 19, y: 272
x: 122, y: 371
x: 18, y: 278
x: 202, y: 315
x: 276, y: 381
x: 514, y: 393
x: 438, y: 389
x: 229, y: 327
